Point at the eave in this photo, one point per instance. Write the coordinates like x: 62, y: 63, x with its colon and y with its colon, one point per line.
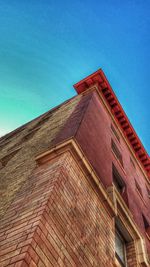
x: 98, y: 78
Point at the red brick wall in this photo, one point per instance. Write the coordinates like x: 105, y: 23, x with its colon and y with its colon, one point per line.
x: 94, y: 137
x: 131, y: 254
x: 57, y: 219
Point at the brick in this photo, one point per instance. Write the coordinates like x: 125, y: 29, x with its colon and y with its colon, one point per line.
x: 33, y: 254
x: 5, y: 263
x: 41, y: 264
x: 21, y: 264
x: 7, y: 250
x: 9, y: 255
x: 43, y: 257
x: 54, y: 214
x: 32, y: 264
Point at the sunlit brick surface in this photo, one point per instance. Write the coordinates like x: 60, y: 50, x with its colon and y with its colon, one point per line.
x: 28, y: 141
x: 53, y: 214
x: 57, y: 219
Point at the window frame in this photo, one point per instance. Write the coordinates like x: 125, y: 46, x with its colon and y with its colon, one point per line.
x: 123, y: 241
x: 115, y: 132
x: 116, y: 152
x: 118, y: 180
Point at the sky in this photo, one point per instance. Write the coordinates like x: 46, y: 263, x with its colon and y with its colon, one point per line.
x: 47, y: 46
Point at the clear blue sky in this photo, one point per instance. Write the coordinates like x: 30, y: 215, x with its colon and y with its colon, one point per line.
x: 46, y: 46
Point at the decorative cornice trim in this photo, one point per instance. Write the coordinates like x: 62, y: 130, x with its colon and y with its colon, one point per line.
x: 73, y: 147
x: 95, y: 88
x: 98, y: 78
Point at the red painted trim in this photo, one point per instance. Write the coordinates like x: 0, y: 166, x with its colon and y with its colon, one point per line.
x: 104, y: 87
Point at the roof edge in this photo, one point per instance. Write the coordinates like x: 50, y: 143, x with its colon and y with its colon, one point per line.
x: 105, y: 88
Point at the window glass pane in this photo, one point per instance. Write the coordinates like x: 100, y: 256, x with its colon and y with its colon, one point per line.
x: 120, y: 247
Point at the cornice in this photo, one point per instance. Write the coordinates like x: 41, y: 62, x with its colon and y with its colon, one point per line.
x: 103, y: 100
x: 98, y: 78
x: 75, y: 150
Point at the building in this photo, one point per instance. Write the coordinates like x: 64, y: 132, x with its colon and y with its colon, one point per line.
x: 75, y: 186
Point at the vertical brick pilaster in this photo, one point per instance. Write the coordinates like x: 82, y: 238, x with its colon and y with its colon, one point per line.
x: 131, y: 254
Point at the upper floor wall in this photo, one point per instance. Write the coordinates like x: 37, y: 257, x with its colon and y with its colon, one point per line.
x: 106, y: 148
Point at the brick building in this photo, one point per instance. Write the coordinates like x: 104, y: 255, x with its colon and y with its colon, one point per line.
x: 75, y: 186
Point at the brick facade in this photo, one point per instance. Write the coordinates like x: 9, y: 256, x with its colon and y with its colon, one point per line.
x: 57, y: 219
x: 59, y: 204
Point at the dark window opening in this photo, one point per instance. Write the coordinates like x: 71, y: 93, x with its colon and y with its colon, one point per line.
x: 41, y: 122
x: 8, y: 157
x: 116, y: 152
x: 117, y: 180
x: 4, y: 144
x: 29, y: 135
x: 148, y: 192
x: 146, y: 225
x: 115, y: 132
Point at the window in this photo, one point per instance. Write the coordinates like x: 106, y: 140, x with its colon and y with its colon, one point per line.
x: 138, y: 188
x: 116, y: 152
x: 120, y: 248
x: 123, y: 240
x: 29, y: 135
x: 146, y: 226
x: 117, y: 180
x: 8, y: 157
x: 42, y: 121
x: 115, y: 132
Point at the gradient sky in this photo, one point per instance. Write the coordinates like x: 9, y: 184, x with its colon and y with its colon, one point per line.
x: 46, y: 46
